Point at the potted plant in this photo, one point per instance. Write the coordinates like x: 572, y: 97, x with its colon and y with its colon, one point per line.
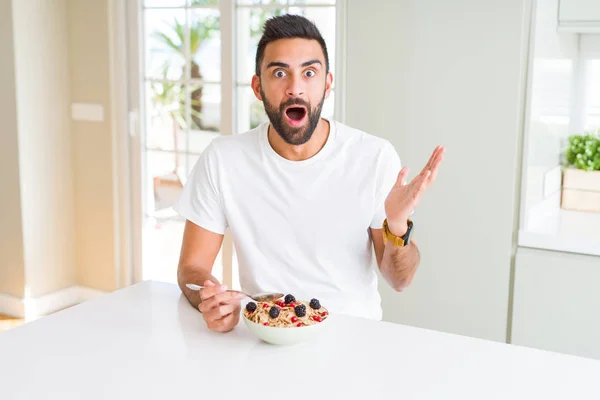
x: 581, y: 178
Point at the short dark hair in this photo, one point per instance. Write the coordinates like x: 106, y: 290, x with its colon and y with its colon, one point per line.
x: 288, y: 26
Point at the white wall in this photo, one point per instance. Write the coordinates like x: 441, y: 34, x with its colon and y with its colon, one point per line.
x: 89, y: 59
x: 42, y: 83
x: 12, y: 265
x: 425, y: 72
x: 57, y: 203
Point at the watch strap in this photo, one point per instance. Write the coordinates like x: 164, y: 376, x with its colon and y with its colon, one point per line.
x: 396, y: 240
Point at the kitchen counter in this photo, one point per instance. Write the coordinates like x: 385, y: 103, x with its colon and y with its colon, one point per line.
x: 147, y: 342
x: 562, y: 230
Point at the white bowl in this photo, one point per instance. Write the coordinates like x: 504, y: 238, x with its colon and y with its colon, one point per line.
x: 286, y: 336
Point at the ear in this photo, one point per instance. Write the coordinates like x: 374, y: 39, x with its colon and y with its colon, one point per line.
x: 256, y: 87
x: 328, y: 84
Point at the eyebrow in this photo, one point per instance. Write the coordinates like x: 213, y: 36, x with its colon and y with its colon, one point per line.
x: 284, y: 65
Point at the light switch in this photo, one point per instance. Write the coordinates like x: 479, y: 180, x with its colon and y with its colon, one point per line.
x: 87, y: 112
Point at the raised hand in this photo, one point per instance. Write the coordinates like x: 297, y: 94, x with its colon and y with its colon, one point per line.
x: 404, y: 198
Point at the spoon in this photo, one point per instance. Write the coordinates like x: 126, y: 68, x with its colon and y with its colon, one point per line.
x: 256, y: 297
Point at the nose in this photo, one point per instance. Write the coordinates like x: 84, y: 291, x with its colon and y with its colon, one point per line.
x: 295, y: 87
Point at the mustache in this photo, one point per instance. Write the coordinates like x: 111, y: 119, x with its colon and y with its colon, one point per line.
x: 295, y: 102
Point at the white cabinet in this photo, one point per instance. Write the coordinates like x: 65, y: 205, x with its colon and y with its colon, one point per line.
x: 557, y: 302
x: 579, y: 16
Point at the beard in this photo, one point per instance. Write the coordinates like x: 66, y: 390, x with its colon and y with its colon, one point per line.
x: 293, y: 135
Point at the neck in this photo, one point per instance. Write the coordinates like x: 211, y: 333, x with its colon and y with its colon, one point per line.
x: 303, y: 151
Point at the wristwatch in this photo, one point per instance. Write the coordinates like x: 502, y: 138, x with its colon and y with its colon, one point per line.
x: 397, y: 240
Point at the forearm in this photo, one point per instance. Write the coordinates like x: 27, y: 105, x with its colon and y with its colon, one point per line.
x: 399, y: 264
x: 195, y: 275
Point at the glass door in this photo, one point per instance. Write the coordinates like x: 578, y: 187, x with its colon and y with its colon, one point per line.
x: 191, y: 63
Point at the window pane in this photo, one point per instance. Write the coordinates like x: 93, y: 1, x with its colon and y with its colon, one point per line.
x: 188, y: 161
x: 311, y: 2
x: 163, y: 228
x: 551, y: 90
x: 249, y: 25
x: 163, y: 37
x: 165, y: 114
x: 204, y: 2
x: 195, y: 141
x: 324, y: 18
x: 162, y: 244
x: 164, y: 3
x: 167, y: 120
x: 205, y: 44
x: 205, y: 107
x: 262, y: 2
x: 167, y: 173
x: 593, y: 96
x: 162, y: 170
x: 250, y: 110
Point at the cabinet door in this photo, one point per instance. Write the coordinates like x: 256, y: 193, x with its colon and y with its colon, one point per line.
x: 557, y: 302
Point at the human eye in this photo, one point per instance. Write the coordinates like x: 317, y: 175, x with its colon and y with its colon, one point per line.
x: 279, y: 73
x: 310, y: 73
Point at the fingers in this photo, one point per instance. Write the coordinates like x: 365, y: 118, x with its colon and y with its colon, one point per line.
x: 436, y: 165
x: 211, y: 289
x: 218, y: 300
x: 434, y: 162
x: 219, y: 308
x: 219, y: 312
x: 224, y: 324
x: 419, y: 184
x: 222, y: 317
x: 401, y: 181
x: 431, y: 159
x: 425, y: 181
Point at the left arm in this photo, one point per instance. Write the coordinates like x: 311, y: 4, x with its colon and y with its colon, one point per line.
x: 397, y: 264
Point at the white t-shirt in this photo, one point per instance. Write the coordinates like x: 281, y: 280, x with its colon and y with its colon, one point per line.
x: 299, y: 227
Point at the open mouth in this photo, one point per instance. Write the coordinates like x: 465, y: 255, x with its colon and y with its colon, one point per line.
x: 295, y: 113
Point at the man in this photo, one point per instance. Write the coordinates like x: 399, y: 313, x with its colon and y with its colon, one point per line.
x: 306, y: 199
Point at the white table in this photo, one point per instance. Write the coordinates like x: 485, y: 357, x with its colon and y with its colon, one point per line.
x: 146, y: 342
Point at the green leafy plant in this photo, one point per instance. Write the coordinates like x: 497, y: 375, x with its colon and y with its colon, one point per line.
x: 173, y: 39
x: 583, y: 151
x: 169, y: 100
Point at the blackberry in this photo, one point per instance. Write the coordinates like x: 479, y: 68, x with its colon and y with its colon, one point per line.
x: 314, y: 304
x: 300, y: 310
x: 251, y: 307
x: 274, y: 312
x: 290, y: 299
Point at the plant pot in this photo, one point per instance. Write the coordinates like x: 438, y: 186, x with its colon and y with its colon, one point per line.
x: 581, y: 190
